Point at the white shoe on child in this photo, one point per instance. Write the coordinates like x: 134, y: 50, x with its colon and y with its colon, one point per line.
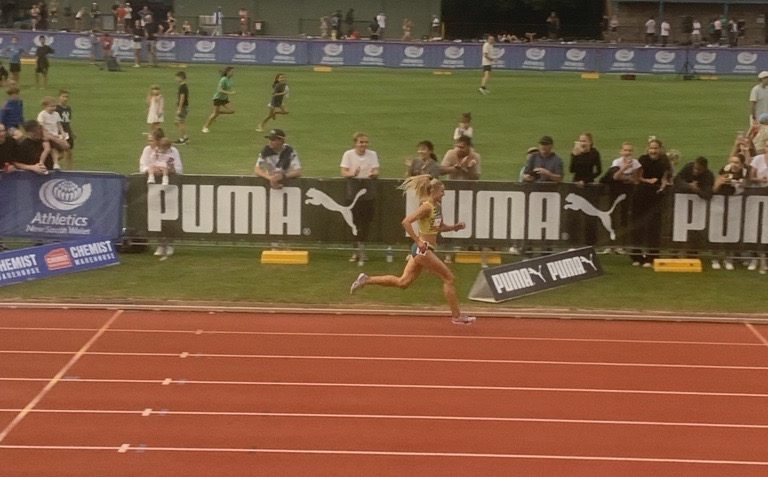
x: 715, y: 265
x: 160, y: 251
x: 150, y: 178
x: 165, y: 180
x: 728, y: 264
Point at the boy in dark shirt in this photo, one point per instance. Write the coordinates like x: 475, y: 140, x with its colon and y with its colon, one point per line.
x: 182, y: 108
x: 65, y: 111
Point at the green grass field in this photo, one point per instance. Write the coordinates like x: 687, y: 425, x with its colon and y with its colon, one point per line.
x: 397, y: 108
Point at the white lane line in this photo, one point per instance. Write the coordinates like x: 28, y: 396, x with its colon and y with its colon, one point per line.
x: 168, y: 381
x: 400, y: 335
x: 759, y: 335
x: 123, y: 448
x: 401, y: 454
x: 149, y: 412
x: 62, y: 372
x: 186, y: 354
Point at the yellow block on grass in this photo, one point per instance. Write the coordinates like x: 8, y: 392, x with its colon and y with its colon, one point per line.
x: 442, y: 73
x: 677, y: 265
x: 285, y: 257
x: 28, y: 61
x: 591, y: 75
x: 322, y: 69
x: 489, y: 258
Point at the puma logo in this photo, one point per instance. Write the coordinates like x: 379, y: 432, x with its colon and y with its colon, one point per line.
x: 577, y: 202
x: 317, y: 197
x: 538, y: 273
x: 589, y: 261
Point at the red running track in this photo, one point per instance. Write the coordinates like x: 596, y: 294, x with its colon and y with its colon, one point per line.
x: 127, y: 393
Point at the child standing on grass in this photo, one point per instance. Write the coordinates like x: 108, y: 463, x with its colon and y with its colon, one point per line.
x: 279, y: 93
x: 182, y: 108
x: 155, y: 108
x: 14, y: 62
x: 65, y: 111
x: 12, y: 113
x: 41, y: 70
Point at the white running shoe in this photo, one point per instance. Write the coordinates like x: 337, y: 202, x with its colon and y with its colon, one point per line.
x: 160, y: 251
x: 169, y: 250
x: 752, y: 265
x: 715, y: 265
x: 165, y: 180
x: 463, y: 320
x: 728, y: 264
x: 205, y: 130
x: 360, y: 282
x: 150, y: 178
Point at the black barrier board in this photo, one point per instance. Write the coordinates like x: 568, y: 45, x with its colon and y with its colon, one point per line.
x: 525, y: 277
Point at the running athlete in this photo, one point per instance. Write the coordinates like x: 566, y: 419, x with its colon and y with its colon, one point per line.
x: 279, y: 93
x: 429, y: 216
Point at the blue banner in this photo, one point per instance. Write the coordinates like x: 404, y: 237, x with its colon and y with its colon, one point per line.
x: 61, y: 205
x: 515, y: 56
x: 45, y: 261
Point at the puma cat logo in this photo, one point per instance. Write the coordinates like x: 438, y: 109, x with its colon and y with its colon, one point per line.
x: 317, y: 197
x: 577, y: 202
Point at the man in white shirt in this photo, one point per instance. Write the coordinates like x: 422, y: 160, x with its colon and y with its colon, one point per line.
x: 650, y: 31
x: 381, y: 19
x: 487, y: 63
x: 665, y: 31
x: 758, y: 97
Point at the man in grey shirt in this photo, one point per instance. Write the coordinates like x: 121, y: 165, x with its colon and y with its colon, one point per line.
x: 544, y: 165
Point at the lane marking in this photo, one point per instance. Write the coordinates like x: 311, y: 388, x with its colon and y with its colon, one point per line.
x: 757, y: 333
x: 407, y: 386
x: 396, y: 335
x: 166, y: 381
x: 164, y: 412
x: 405, y: 358
x: 62, y: 372
x: 405, y: 454
x: 123, y: 448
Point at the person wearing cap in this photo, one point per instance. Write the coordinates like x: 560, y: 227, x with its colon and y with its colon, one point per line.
x: 461, y: 162
x: 278, y: 161
x: 759, y: 132
x: 758, y: 97
x: 544, y: 165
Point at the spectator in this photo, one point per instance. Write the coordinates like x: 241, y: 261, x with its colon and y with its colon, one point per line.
x: 152, y: 28
x: 758, y: 97
x: 244, y: 22
x: 218, y: 21
x: 128, y: 18
x: 613, y: 27
x: 155, y: 108
x: 12, y: 114
x: 32, y: 152
x: 349, y: 20
x: 373, y: 29
x: 336, y: 25
x: 407, y: 29
x: 360, y: 166
x: 182, y: 108
x: 7, y: 150
x: 647, y: 204
x: 15, y: 53
x: 65, y: 112
x: 465, y: 127
x: 731, y: 180
x: 106, y: 41
x: 626, y: 169
x: 41, y: 68
x: 585, y: 160
x: 120, y: 18
x: 381, y: 19
x: 758, y: 168
x: 717, y: 31
x: 462, y: 162
x: 553, y: 26
x: 695, y: 177
x: 585, y: 167
x: 733, y: 33
x: 186, y: 28
x: 278, y: 161
x: 487, y: 63
x: 759, y: 131
x: 161, y: 158
x: 696, y: 32
x: 324, y: 25
x: 435, y: 27
x: 425, y: 161
x: 137, y: 35
x: 665, y: 31
x: 79, y: 17
x: 544, y: 165
x: 3, y: 75
x: 53, y: 131
x: 650, y: 31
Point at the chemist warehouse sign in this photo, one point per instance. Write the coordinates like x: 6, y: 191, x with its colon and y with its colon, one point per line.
x: 55, y: 259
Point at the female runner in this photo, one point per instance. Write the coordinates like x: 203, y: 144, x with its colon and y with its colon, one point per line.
x: 430, y: 218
